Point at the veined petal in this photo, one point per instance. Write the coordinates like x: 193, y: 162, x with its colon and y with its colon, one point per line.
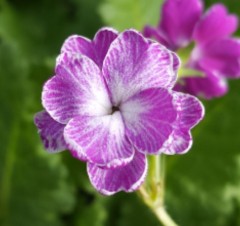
x: 179, y: 142
x: 51, y: 132
x: 178, y: 20
x: 127, y: 178
x: 101, y: 42
x: 148, y: 117
x: 133, y: 64
x: 101, y: 140
x: 208, y: 87
x: 176, y: 63
x: 189, y: 112
x: 158, y: 35
x: 215, y: 24
x: 95, y: 50
x: 76, y: 44
x: 77, y: 89
x: 222, y: 57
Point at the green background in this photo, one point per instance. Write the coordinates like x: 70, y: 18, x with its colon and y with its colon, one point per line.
x: 40, y: 189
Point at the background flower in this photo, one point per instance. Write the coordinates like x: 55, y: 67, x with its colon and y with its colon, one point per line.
x: 215, y: 55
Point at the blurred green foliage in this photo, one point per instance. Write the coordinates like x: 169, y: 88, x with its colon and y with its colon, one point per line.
x: 36, y: 188
x: 130, y: 14
x: 204, y: 185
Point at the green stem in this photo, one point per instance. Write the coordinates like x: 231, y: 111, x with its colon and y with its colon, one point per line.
x: 152, y: 191
x: 163, y: 216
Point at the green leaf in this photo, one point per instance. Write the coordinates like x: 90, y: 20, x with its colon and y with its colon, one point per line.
x: 39, y: 28
x: 94, y: 212
x: 33, y: 184
x: 203, y: 185
x: 127, y: 209
x: 123, y: 14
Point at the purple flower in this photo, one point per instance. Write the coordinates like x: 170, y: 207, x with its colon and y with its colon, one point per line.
x: 215, y: 55
x: 110, y: 103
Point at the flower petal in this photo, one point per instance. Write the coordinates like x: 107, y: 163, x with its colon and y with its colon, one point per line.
x: 101, y: 42
x: 208, y: 87
x: 127, y: 178
x: 77, y: 89
x: 215, y: 24
x: 51, y: 132
x: 95, y: 50
x: 76, y: 44
x: 101, y: 140
x: 148, y: 117
x: 178, y: 20
x: 179, y: 142
x: 190, y: 111
x: 156, y: 34
x: 222, y: 56
x: 133, y: 64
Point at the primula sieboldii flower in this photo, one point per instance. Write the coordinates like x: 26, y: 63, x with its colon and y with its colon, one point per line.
x: 111, y: 103
x: 215, y: 55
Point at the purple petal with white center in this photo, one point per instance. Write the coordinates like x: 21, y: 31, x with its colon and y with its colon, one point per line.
x: 189, y: 112
x: 77, y: 89
x: 50, y: 131
x: 215, y: 24
x: 208, y: 87
x: 101, y: 140
x: 148, y: 117
x: 222, y: 56
x: 95, y: 50
x: 127, y: 178
x: 178, y: 20
x: 133, y: 64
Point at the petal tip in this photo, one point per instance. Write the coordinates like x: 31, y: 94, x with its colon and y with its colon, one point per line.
x: 127, y: 178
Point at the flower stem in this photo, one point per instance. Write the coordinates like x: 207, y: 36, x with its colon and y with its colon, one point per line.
x: 163, y: 216
x: 152, y: 191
